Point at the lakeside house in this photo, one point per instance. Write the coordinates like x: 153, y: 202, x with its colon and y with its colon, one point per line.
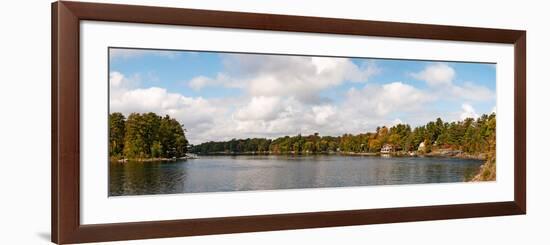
x: 386, y: 149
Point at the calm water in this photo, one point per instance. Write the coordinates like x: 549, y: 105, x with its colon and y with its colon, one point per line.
x: 242, y: 173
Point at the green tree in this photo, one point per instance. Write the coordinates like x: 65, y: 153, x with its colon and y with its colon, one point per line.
x: 134, y: 141
x: 117, y: 130
x: 375, y: 145
x: 172, y: 137
x: 146, y: 135
x: 309, y: 147
x: 156, y: 149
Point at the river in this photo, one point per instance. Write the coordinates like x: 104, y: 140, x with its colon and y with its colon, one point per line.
x: 245, y: 173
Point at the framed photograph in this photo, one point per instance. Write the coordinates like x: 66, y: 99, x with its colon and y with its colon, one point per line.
x: 177, y: 122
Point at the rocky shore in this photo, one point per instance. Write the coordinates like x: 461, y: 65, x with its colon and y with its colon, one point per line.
x: 455, y: 154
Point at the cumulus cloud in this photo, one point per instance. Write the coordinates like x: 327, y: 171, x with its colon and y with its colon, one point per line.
x: 470, y: 92
x: 436, y: 74
x: 126, y: 98
x: 382, y: 100
x: 118, y: 83
x: 116, y: 79
x: 468, y: 111
x: 197, y: 83
x: 440, y: 78
x: 359, y: 111
x: 260, y: 108
x: 397, y: 121
x: 273, y: 75
x: 324, y: 114
x: 282, y: 116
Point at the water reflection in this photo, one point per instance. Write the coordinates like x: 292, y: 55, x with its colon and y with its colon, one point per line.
x: 241, y: 173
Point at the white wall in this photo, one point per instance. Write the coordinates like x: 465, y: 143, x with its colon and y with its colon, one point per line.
x: 25, y: 125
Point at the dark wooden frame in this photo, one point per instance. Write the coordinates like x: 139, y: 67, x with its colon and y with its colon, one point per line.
x: 65, y: 175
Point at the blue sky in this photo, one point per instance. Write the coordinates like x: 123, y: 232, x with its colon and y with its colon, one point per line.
x: 223, y: 95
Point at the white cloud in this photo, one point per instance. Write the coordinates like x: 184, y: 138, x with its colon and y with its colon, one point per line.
x: 360, y: 111
x: 396, y: 122
x: 116, y: 79
x: 440, y: 78
x: 436, y: 74
x: 323, y: 114
x: 382, y: 100
x: 470, y: 92
x: 260, y: 108
x: 196, y: 113
x: 221, y: 79
x: 468, y: 111
x: 274, y: 116
x: 119, y: 83
x: 197, y: 83
x: 272, y: 75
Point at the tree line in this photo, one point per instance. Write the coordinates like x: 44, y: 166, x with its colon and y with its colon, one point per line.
x: 146, y: 135
x: 469, y: 135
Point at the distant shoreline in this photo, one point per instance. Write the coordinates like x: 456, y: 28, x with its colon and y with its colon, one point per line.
x: 393, y: 154
x: 438, y: 153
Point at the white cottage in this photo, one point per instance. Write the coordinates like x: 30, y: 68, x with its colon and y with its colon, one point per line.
x: 386, y: 149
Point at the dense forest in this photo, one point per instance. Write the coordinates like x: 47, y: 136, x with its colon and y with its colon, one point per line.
x: 471, y: 136
x: 147, y: 135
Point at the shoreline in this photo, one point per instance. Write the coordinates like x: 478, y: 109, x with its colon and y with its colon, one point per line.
x: 442, y: 154
x: 152, y: 159
x: 457, y: 155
